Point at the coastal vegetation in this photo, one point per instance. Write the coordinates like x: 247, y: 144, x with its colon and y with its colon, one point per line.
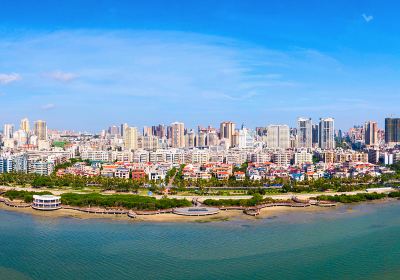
x: 345, y: 198
x: 138, y: 202
x: 394, y: 194
x: 122, y: 200
x: 69, y: 181
x: 255, y: 200
x: 23, y: 195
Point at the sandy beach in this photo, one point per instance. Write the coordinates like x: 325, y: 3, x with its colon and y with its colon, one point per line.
x: 223, y: 215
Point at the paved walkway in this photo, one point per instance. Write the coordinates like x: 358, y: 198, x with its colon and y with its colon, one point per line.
x: 201, y: 198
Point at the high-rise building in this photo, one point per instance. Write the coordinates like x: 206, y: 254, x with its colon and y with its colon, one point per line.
x: 392, y: 131
x: 202, y: 138
x: 226, y: 131
x: 178, y: 135
x: 304, y: 133
x: 21, y: 137
x: 212, y: 138
x: 25, y: 125
x: 371, y: 133
x: 113, y: 130
x: 169, y: 132
x: 147, y: 131
x: 159, y: 131
x: 340, y: 135
x: 190, y: 139
x: 315, y: 135
x: 261, y: 131
x: 122, y: 129
x: 149, y: 143
x: 235, y: 139
x: 327, y: 133
x: 278, y: 136
x: 130, y: 138
x: 40, y: 130
x: 245, y: 139
x: 8, y: 131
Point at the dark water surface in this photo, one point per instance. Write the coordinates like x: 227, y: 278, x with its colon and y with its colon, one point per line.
x: 352, y: 242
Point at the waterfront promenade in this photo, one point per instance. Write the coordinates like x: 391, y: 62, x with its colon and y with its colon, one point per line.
x: 283, y: 196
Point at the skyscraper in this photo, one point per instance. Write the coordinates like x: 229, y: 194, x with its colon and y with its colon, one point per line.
x: 327, y: 133
x: 159, y: 130
x: 113, y: 130
x: 226, y: 131
x: 315, y: 135
x: 371, y: 133
x: 278, y: 136
x: 130, y: 138
x: 122, y: 129
x: 202, y: 138
x: 25, y: 125
x: 212, y: 138
x: 245, y: 140
x: 178, y: 135
x: 190, y: 139
x: 40, y: 130
x: 8, y: 131
x: 304, y: 133
x: 392, y: 131
x: 147, y: 131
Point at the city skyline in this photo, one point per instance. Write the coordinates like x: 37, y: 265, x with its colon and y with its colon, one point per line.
x: 138, y: 61
x: 25, y: 123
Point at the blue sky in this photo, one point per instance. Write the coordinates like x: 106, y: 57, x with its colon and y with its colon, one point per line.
x: 87, y: 64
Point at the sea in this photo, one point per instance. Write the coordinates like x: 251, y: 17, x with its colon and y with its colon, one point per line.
x: 360, y: 241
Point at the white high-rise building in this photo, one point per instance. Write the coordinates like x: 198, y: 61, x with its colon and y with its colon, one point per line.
x: 304, y: 133
x: 8, y: 131
x: 245, y: 139
x: 178, y: 135
x: 130, y: 138
x: 327, y: 133
x: 278, y: 136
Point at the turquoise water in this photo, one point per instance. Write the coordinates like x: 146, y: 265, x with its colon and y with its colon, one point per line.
x: 361, y: 242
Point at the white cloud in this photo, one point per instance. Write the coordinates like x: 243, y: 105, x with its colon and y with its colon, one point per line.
x: 48, y: 106
x: 9, y: 78
x: 163, y: 64
x: 62, y: 76
x: 367, y: 18
x: 171, y: 72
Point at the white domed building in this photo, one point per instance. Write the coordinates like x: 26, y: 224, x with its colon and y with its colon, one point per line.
x: 46, y: 202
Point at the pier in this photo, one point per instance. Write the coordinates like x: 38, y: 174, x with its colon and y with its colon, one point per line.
x: 15, y: 204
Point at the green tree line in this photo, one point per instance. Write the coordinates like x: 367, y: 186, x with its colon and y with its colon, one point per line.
x: 122, y: 200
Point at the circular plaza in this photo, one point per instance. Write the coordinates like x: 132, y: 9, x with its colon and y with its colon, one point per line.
x: 196, y: 211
